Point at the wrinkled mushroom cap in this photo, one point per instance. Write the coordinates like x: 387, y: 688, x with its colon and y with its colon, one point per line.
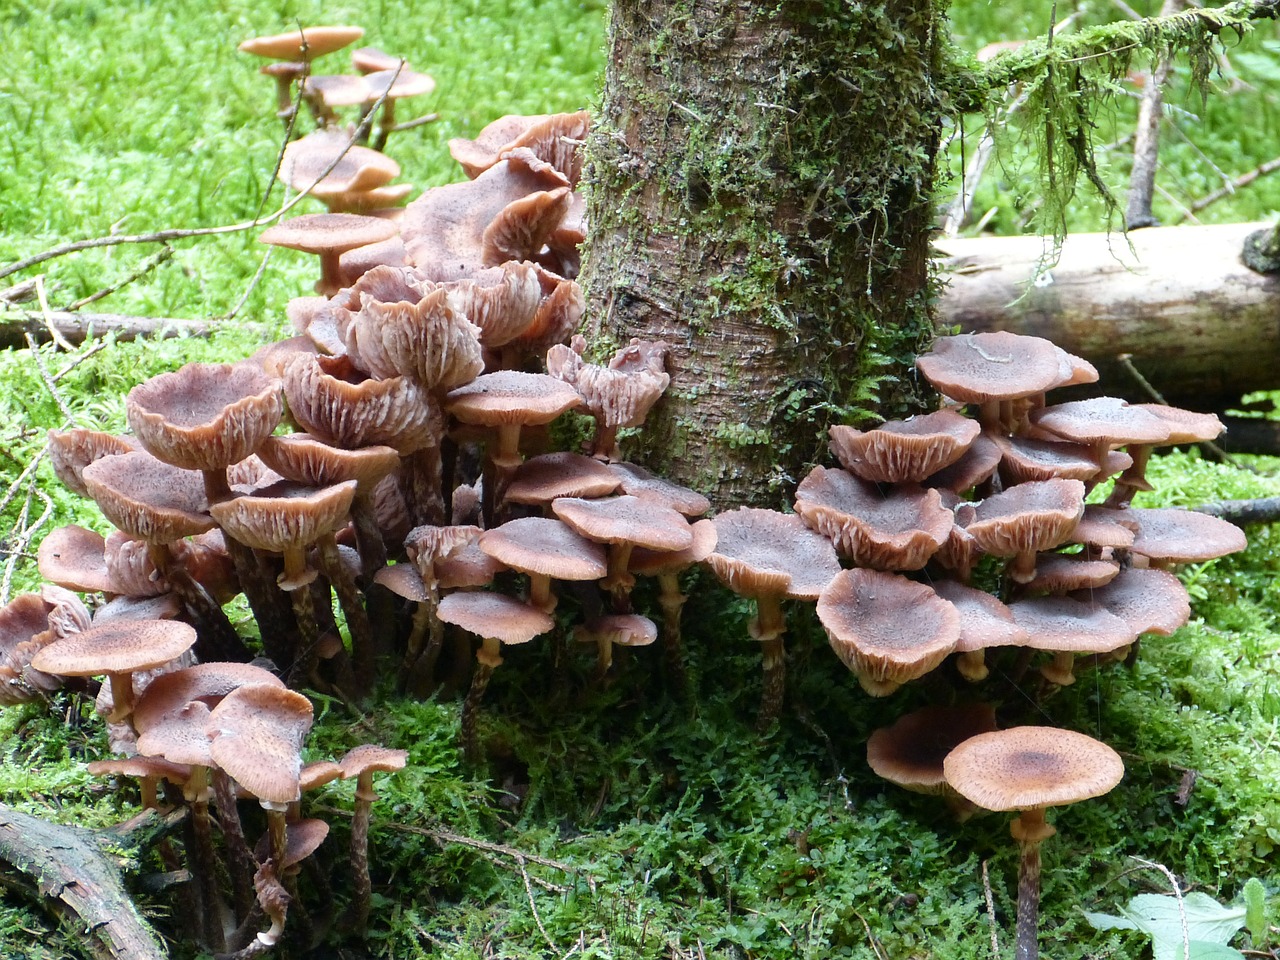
x: 257, y: 733
x: 285, y: 515
x: 1037, y: 515
x: 904, y: 450
x: 1027, y: 767
x: 70, y: 451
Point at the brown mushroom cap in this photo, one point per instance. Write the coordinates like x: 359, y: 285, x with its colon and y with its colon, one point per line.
x: 545, y: 547
x: 425, y: 338
x: 904, y: 450
x: 304, y: 459
x: 206, y: 682
x: 626, y: 520
x: 984, y: 620
x: 328, y: 232
x: 764, y: 552
x: 357, y: 168
x: 1064, y: 572
x: 1101, y: 420
x: 1023, y: 459
x: 399, y: 83
x: 555, y: 139
x: 1183, y: 536
x: 337, y: 90
x: 494, y: 616
x: 205, y: 416
x: 886, y: 628
x: 510, y: 396
x: 1030, y: 517
x: 657, y: 562
x: 70, y: 451
x: 1064, y: 624
x: 25, y: 628
x: 179, y: 736
x: 1023, y: 768
x: 636, y: 481
x: 910, y: 751
x: 74, y: 557
x: 980, y: 367
x: 256, y: 734
x: 622, y: 629
x: 304, y: 44
x: 896, y: 528
x: 285, y: 515
x: 303, y: 838
x: 116, y: 648
x: 1149, y: 601
x: 370, y: 758
x: 543, y: 478
x: 976, y: 466
x: 368, y: 60
x: 148, y: 499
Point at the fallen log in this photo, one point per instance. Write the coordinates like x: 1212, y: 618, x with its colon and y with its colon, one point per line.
x: 1199, y: 325
x: 75, y: 328
x: 73, y: 872
x: 1243, y: 512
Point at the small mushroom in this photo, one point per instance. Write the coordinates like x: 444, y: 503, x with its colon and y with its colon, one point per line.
x: 362, y: 763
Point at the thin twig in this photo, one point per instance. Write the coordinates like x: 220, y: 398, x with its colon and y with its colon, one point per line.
x: 528, y: 889
x: 47, y: 316
x: 415, y: 122
x: 48, y: 380
x: 991, y: 912
x: 97, y: 347
x: 1239, y: 183
x: 1177, y: 894
x: 146, y: 267
x: 1146, y: 146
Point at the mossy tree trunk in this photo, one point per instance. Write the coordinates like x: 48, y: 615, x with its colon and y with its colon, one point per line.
x: 760, y: 182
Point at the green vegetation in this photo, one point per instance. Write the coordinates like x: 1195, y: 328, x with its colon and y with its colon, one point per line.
x: 628, y: 825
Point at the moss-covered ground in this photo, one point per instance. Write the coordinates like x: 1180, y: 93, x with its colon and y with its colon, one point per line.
x: 623, y: 822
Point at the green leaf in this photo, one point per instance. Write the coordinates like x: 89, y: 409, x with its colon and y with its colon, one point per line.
x: 1209, y: 925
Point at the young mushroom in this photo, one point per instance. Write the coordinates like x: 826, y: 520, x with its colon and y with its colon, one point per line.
x: 362, y: 763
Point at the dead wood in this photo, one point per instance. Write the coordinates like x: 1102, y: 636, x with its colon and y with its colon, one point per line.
x: 71, y: 870
x: 1243, y: 512
x: 75, y: 328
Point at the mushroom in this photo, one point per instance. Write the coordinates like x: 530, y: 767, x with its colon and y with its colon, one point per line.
x: 1027, y: 518
x: 362, y: 763
x: 330, y: 235
x: 619, y: 629
x: 904, y: 451
x: 1028, y: 769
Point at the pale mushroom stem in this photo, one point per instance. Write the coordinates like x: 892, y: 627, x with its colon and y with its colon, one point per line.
x: 672, y: 601
x: 605, y: 444
x: 488, y: 658
x: 619, y: 581
x: 361, y: 885
x: 540, y: 594
x: 1029, y: 829
x: 121, y: 696
x: 1061, y: 670
x: 330, y: 281
x: 1133, y: 479
x: 972, y: 665
x: 768, y: 627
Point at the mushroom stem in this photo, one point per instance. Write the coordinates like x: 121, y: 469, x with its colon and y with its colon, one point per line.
x: 307, y: 655
x: 242, y: 864
x: 540, y: 594
x: 330, y: 281
x: 121, y: 696
x: 1061, y: 669
x: 768, y: 627
x: 488, y: 657
x: 619, y: 580
x: 672, y: 601
x: 204, y: 860
x: 972, y: 665
x: 362, y: 649
x: 372, y: 548
x: 1029, y: 829
x: 361, y: 885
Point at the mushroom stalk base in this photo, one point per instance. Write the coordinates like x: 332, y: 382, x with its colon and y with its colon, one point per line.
x: 468, y: 735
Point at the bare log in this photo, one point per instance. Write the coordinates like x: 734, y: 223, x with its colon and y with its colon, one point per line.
x: 77, y: 327
x: 1243, y: 512
x: 1198, y: 324
x: 70, y: 867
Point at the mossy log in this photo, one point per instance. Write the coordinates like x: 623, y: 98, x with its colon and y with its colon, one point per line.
x: 71, y: 869
x: 1196, y: 323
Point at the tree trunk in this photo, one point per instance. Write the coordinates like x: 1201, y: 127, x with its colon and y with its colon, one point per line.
x: 760, y: 178
x: 1198, y: 324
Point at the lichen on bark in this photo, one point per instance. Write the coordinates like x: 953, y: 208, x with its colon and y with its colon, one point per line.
x: 759, y: 196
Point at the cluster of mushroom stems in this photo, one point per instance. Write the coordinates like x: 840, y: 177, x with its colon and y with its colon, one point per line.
x: 387, y: 455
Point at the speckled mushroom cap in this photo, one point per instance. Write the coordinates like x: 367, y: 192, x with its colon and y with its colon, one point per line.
x: 984, y: 620
x: 655, y: 562
x: 980, y: 367
x: 764, y: 552
x: 257, y: 733
x: 621, y: 394
x: 1101, y: 420
x: 74, y: 557
x: 897, y: 528
x: 976, y: 466
x: 306, y: 460
x: 1023, y: 459
x: 116, y: 648
x: 359, y: 168
x: 70, y: 451
x: 555, y: 139
x: 206, y: 682
x: 1149, y: 601
x: 511, y: 396
x: 205, y: 416
x: 636, y: 481
x: 626, y: 520
x: 371, y: 758
x: 328, y: 232
x: 1064, y: 624
x: 1185, y: 426
x: 179, y: 736
x: 910, y: 751
x: 304, y: 44
x: 1183, y: 536
x: 546, y: 547
x: 285, y: 515
x: 904, y: 450
x: 885, y: 628
x: 543, y: 478
x: 25, y: 628
x: 337, y: 404
x: 1105, y: 527
x: 1063, y: 572
x: 148, y: 499
x: 1032, y: 516
x: 428, y: 340
x: 494, y: 616
x: 1023, y: 768
x: 404, y: 580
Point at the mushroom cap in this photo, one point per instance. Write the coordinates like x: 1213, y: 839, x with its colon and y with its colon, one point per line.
x: 509, y: 397
x: 318, y: 773
x: 984, y: 620
x: 140, y: 767
x: 910, y: 751
x: 547, y: 547
x: 478, y: 155
x: 427, y: 545
x: 623, y: 629
x: 1185, y: 426
x: 206, y: 682
x: 1063, y: 572
x: 501, y: 301
x: 468, y: 566
x: 976, y: 466
x: 26, y: 626
x: 130, y: 609
x: 636, y: 481
x: 368, y: 60
x: 74, y: 557
x: 980, y: 367
x: 116, y: 648
x: 1023, y: 768
x: 1032, y: 516
x: 426, y: 339
x: 328, y: 232
x: 302, y: 839
x: 257, y: 733
x: 337, y: 90
x: 555, y: 139
x: 1149, y: 601
x: 398, y: 83
x: 370, y: 758
x: 205, y: 416
x: 1023, y: 459
x: 304, y: 44
x: 338, y: 405
x: 885, y: 628
x: 494, y: 616
x: 904, y: 450
x: 895, y: 528
x: 304, y: 459
x: 354, y: 167
x: 1105, y: 527
x: 1183, y: 536
x: 764, y: 552
x: 404, y: 580
x: 70, y: 451
x: 655, y: 562
x: 621, y: 394
x: 1101, y: 420
x: 543, y: 478
x: 285, y: 515
x: 626, y: 520
x: 179, y: 736
x: 147, y: 498
x: 1064, y: 624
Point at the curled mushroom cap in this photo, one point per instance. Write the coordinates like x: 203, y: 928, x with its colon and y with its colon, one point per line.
x: 904, y: 450
x: 304, y: 459
x: 70, y: 451
x: 543, y: 478
x: 1023, y: 768
x: 886, y: 628
x: 425, y: 338
x: 285, y: 516
x: 257, y: 733
x: 206, y: 682
x: 28, y: 623
x: 74, y: 557
x: 304, y: 44
x: 555, y: 139
x: 766, y: 552
x: 205, y: 416
x: 148, y: 499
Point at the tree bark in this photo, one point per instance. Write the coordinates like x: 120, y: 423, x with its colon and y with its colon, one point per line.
x: 760, y: 198
x: 1198, y: 324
